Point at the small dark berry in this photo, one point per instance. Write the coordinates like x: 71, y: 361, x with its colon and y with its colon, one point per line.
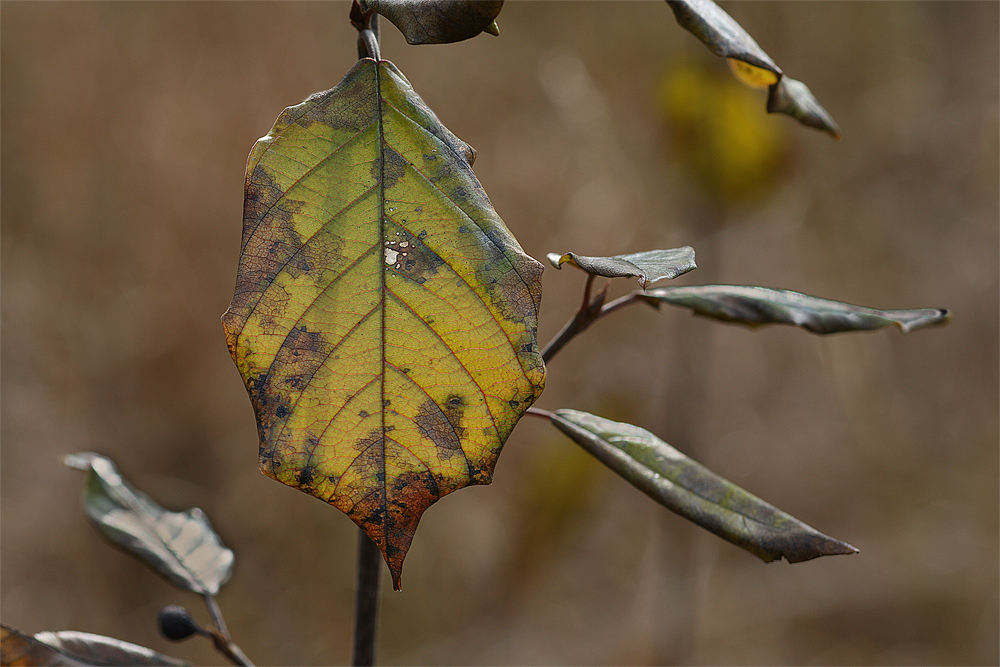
x: 176, y: 623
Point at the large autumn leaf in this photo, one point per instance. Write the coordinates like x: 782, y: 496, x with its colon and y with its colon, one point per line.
x: 384, y: 317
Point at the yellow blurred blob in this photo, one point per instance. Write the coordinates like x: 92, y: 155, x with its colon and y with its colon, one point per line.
x: 720, y: 134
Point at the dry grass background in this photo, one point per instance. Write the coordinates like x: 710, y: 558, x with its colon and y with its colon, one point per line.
x: 125, y: 129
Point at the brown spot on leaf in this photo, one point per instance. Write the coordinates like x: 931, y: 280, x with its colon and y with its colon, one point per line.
x: 392, y: 168
x: 270, y: 242
x: 442, y: 426
x: 351, y: 105
x: 298, y: 359
x: 410, y: 257
x: 514, y: 286
x: 371, y: 449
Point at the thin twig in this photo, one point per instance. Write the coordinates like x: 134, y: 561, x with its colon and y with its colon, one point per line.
x: 366, y: 601
x: 589, y: 312
x: 586, y: 291
x: 220, y: 635
x: 621, y: 302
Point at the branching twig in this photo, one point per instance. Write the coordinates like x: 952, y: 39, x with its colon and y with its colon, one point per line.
x: 220, y: 635
x: 591, y: 310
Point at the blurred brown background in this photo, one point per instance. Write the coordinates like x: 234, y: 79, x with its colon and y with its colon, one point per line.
x: 601, y: 128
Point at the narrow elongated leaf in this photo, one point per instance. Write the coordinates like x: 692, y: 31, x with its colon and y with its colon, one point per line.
x: 761, y: 305
x: 794, y: 99
x: 182, y: 546
x: 725, y: 37
x: 440, y: 21
x: 720, y: 32
x: 650, y: 266
x: 384, y: 320
x: 74, y: 648
x: 695, y: 492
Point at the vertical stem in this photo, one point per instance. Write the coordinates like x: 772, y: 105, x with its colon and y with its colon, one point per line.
x: 369, y: 558
x: 366, y: 601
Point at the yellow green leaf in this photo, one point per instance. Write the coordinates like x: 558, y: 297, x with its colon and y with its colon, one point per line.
x: 384, y: 320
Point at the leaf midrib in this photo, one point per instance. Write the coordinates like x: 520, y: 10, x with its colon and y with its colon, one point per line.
x: 382, y: 288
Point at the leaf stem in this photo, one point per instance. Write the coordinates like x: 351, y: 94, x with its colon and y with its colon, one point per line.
x: 591, y: 310
x: 220, y: 635
x: 366, y: 601
x: 538, y: 412
x: 366, y: 22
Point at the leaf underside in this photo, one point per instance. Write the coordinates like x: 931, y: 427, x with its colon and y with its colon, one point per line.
x: 384, y: 320
x: 720, y: 32
x: 181, y: 546
x: 649, y: 267
x: 439, y: 21
x: 695, y: 492
x: 74, y: 648
x: 761, y: 305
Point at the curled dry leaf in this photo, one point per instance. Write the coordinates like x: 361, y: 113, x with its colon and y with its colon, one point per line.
x: 182, y: 546
x: 761, y: 305
x: 384, y: 320
x: 440, y: 21
x: 74, y: 648
x: 794, y: 99
x: 649, y: 266
x: 750, y: 64
x: 688, y: 488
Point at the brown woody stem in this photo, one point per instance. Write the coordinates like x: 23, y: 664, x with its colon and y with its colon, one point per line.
x: 591, y: 310
x: 366, y: 601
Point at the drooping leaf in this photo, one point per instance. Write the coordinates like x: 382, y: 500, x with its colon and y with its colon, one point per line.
x: 74, y: 648
x: 720, y: 32
x: 750, y: 64
x: 649, y: 266
x: 761, y: 305
x: 695, y: 492
x: 182, y: 546
x: 440, y: 21
x: 794, y: 99
x: 384, y: 320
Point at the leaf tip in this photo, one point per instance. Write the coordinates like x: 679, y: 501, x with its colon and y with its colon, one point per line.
x: 556, y: 260
x: 925, y: 318
x: 80, y: 460
x: 820, y: 545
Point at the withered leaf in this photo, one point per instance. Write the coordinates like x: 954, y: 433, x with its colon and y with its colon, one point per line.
x: 74, y: 648
x: 182, y: 546
x: 440, y: 21
x: 760, y: 305
x: 649, y: 267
